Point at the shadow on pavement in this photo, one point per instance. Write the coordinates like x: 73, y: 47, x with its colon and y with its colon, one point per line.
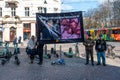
x: 74, y: 69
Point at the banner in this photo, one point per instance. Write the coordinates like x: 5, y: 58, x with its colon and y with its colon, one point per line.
x: 59, y: 27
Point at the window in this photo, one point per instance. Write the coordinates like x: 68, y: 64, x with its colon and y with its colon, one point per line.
x: 56, y: 0
x: 13, y: 11
x: 27, y: 13
x: 116, y: 31
x: 0, y: 12
x: 27, y: 26
x: 55, y: 9
x: 40, y: 9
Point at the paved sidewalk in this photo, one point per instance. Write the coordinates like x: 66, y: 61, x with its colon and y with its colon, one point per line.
x: 74, y: 69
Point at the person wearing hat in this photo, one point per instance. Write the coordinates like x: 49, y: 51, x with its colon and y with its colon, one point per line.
x: 100, y: 48
x: 89, y: 43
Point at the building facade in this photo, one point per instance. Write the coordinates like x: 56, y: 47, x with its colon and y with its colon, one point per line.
x: 18, y: 17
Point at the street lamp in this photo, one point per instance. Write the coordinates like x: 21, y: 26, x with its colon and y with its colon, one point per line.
x: 2, y: 26
x: 1, y: 31
x: 45, y: 2
x: 45, y: 8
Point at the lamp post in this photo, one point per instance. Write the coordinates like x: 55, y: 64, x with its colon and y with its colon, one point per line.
x: 1, y: 30
x: 45, y: 2
x: 45, y: 8
x: 2, y: 26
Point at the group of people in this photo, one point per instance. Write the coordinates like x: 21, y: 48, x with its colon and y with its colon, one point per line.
x: 100, y: 47
x: 17, y: 40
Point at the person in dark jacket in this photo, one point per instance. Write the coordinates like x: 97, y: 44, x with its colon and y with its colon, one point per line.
x: 100, y: 47
x: 15, y: 40
x: 40, y: 53
x: 19, y: 40
x: 89, y: 43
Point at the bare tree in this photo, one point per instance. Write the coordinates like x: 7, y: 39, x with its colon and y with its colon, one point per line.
x: 116, y: 11
x: 103, y: 15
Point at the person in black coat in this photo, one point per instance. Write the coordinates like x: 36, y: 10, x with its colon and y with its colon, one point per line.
x: 19, y: 40
x: 101, y: 47
x: 40, y: 53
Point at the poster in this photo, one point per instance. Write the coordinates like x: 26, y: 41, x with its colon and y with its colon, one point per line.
x: 59, y: 27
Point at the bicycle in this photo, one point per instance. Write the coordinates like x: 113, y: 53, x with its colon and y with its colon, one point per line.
x: 110, y: 51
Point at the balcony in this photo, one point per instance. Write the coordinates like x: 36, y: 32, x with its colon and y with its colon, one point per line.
x: 12, y: 3
x: 11, y: 19
x: 56, y: 0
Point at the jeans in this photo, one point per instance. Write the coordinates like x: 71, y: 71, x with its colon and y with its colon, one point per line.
x: 103, y: 55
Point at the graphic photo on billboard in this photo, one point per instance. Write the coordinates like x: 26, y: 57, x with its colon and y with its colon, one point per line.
x: 59, y: 27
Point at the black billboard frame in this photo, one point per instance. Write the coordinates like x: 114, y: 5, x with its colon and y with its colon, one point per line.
x: 38, y: 28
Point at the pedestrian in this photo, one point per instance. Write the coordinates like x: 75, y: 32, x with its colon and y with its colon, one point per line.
x: 100, y: 48
x: 15, y: 40
x: 32, y: 48
x: 89, y: 43
x: 19, y: 40
x: 40, y: 53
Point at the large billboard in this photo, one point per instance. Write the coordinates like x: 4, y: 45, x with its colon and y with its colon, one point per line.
x: 59, y: 27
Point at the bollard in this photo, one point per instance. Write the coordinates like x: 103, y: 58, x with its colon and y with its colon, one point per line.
x: 60, y: 51
x: 70, y: 53
x: 77, y: 49
x: 70, y: 50
x: 45, y: 49
x: 52, y: 50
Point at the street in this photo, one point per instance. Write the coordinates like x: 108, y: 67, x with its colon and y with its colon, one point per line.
x: 74, y: 69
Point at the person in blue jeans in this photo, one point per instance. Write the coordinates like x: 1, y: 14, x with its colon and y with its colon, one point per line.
x: 101, y: 47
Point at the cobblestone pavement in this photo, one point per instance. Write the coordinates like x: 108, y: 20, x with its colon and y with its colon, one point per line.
x: 74, y: 69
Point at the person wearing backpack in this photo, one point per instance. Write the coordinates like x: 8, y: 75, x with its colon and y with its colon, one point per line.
x: 100, y: 48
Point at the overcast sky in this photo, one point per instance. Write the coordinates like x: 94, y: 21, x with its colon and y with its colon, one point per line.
x: 80, y: 5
